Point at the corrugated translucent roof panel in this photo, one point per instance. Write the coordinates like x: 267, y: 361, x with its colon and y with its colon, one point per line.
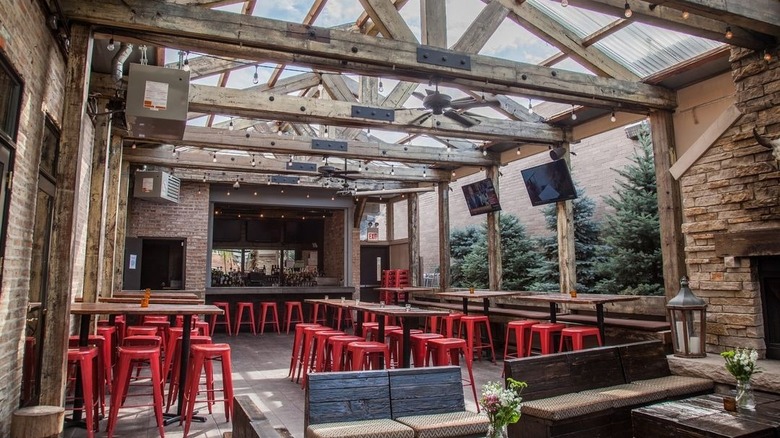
x: 643, y: 49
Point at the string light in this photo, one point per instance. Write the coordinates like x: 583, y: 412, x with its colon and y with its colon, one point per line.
x: 449, y: 148
x: 627, y: 12
x: 767, y: 56
x: 133, y: 146
x: 174, y: 152
x: 320, y: 87
x: 685, y: 15
x: 214, y: 158
x: 573, y: 116
x: 111, y: 45
x: 392, y: 170
x: 256, y: 77
x: 453, y: 174
x: 729, y: 33
x: 484, y: 152
x: 425, y: 173
x: 253, y: 163
x: 612, y: 118
x: 381, y: 86
x: 204, y: 177
x: 186, y: 66
x: 517, y: 151
x: 530, y: 106
x: 230, y: 125
x: 564, y: 3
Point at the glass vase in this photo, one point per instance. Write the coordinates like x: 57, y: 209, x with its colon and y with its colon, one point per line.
x: 745, y: 398
x: 497, y: 431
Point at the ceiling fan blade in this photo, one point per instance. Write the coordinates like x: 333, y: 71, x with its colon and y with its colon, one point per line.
x: 421, y: 119
x: 418, y: 95
x: 470, y: 102
x: 462, y: 119
x: 346, y: 172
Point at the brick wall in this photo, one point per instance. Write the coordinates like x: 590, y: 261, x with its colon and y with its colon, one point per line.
x: 32, y: 53
x: 188, y: 220
x: 333, y: 245
x: 592, y: 170
x: 734, y: 187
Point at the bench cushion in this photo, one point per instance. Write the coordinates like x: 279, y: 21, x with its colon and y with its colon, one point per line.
x: 629, y: 394
x: 566, y: 406
x: 451, y: 424
x: 676, y: 386
x: 381, y: 428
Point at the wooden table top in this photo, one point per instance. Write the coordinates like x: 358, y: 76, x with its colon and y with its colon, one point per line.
x: 580, y: 299
x: 331, y: 302
x: 136, y: 309
x: 399, y: 311
x: 156, y: 294
x: 152, y: 300
x: 405, y: 289
x: 480, y: 293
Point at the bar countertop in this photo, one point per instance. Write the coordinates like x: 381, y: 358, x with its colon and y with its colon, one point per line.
x: 270, y: 290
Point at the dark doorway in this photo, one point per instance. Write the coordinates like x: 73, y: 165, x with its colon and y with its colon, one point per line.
x: 163, y: 264
x: 373, y: 260
x: 769, y: 278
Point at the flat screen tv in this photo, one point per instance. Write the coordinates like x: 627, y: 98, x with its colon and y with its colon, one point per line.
x: 549, y: 183
x: 481, y: 197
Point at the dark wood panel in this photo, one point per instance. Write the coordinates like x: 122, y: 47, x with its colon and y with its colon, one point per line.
x: 420, y: 391
x: 644, y: 360
x: 595, y: 368
x: 748, y: 243
x: 347, y: 396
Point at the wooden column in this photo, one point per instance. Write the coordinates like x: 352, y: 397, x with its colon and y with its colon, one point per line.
x: 121, y: 227
x: 390, y: 221
x: 669, y: 202
x: 93, y: 256
x: 369, y: 90
x: 55, y: 338
x: 414, y: 238
x: 495, y: 270
x: 433, y: 14
x: 567, y: 260
x: 113, y: 182
x: 444, y: 236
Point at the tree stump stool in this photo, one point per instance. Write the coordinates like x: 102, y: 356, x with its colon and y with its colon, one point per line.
x: 37, y: 422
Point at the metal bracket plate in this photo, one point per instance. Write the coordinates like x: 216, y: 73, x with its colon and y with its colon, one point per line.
x: 429, y: 55
x: 302, y: 166
x: 282, y: 179
x: 312, y: 33
x: 329, y: 145
x: 367, y: 112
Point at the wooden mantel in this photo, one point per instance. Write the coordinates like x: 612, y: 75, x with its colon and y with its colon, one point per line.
x: 765, y: 242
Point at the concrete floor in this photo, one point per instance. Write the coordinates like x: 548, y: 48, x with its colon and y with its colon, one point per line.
x: 260, y: 365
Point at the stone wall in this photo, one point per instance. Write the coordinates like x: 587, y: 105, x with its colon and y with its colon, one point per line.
x: 188, y: 220
x: 30, y: 49
x: 734, y: 186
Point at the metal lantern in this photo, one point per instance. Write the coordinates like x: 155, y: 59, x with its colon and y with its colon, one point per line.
x: 688, y: 317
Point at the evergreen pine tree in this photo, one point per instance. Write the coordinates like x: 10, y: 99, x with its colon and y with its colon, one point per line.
x: 461, y: 243
x: 586, y: 248
x: 632, y: 254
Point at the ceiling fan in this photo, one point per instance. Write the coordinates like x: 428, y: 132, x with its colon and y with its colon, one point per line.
x: 328, y: 171
x: 442, y: 104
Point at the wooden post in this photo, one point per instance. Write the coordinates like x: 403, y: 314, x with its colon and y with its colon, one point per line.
x: 669, y: 202
x: 121, y: 228
x: 495, y: 270
x: 433, y: 15
x: 369, y: 90
x: 37, y: 422
x: 113, y: 177
x: 444, y: 236
x: 93, y: 256
x: 414, y: 237
x: 390, y: 234
x: 60, y: 275
x: 567, y: 260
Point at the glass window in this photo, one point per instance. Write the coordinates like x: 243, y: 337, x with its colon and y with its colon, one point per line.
x: 50, y: 149
x: 10, y: 101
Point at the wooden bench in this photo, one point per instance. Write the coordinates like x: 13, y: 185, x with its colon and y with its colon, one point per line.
x: 591, y: 392
x: 402, y: 403
x: 634, y: 324
x: 249, y: 421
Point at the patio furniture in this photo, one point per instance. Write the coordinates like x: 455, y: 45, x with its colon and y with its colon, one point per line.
x: 240, y: 310
x: 128, y: 355
x: 545, y: 332
x: 86, y: 360
x: 577, y: 336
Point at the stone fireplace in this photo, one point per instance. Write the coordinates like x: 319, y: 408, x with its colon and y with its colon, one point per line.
x: 731, y: 217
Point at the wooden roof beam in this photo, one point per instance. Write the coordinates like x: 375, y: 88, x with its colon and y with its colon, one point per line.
x: 434, y: 22
x: 760, y: 15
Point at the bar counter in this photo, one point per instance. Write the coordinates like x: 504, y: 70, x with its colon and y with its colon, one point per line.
x: 280, y: 292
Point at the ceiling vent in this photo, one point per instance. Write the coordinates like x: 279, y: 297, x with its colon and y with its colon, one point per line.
x: 157, y: 102
x: 157, y: 186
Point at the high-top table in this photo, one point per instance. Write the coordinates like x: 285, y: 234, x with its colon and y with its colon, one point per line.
x: 405, y: 290
x: 485, y: 295
x: 596, y: 299
x: 156, y: 294
x: 152, y: 300
x: 86, y: 310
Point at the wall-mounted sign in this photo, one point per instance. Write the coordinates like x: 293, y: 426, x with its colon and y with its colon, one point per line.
x: 373, y: 233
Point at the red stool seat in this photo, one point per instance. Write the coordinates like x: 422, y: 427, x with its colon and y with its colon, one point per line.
x: 522, y: 332
x: 297, y: 350
x: 545, y: 331
x: 366, y: 355
x: 447, y: 351
x: 307, y: 348
x: 319, y: 360
x: 202, y: 353
x: 264, y: 309
x: 577, y: 335
x: 142, y: 330
x: 448, y: 325
x: 225, y: 306
x: 419, y: 344
x: 103, y: 370
x: 127, y: 355
x: 290, y: 309
x: 473, y: 326
x: 397, y: 343
x: 338, y: 351
x: 84, y: 358
x: 372, y: 332
x: 242, y: 306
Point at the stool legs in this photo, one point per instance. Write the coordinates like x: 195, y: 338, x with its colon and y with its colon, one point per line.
x: 240, y: 315
x: 264, y: 309
x: 291, y: 308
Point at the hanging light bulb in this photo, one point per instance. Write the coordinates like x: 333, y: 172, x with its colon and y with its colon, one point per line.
x: 111, y: 45
x: 204, y: 177
x: 729, y: 33
x: 449, y: 148
x: 360, y: 167
x: 685, y: 15
x: 392, y: 170
x: 230, y: 125
x: 236, y: 185
x: 214, y: 158
x: 453, y: 174
x: 425, y: 172
x: 564, y: 3
x: 767, y: 56
x: 256, y: 77
x: 517, y: 151
x: 253, y: 163
x: 484, y: 152
x: 320, y: 87
x: 627, y: 12
x: 612, y: 118
x: 174, y: 152
x: 186, y: 66
x: 133, y: 146
x: 381, y: 86
x: 573, y: 115
x: 530, y: 106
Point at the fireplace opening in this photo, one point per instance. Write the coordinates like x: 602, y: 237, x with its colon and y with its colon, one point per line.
x: 769, y: 279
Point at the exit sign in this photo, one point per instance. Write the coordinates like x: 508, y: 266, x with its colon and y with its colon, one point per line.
x: 373, y: 234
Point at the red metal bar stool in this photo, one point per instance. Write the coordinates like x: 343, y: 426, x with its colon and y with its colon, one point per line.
x: 396, y: 343
x: 28, y: 369
x: 316, y: 318
x: 154, y: 318
x: 338, y: 351
x: 265, y: 307
x: 447, y: 351
x: 368, y: 327
x: 127, y: 355
x: 345, y: 315
x: 109, y: 333
x: 290, y: 308
x: 202, y: 327
x: 297, y: 349
x: 103, y: 365
x: 368, y: 316
x: 245, y: 305
x: 319, y: 360
x: 141, y: 330
x: 577, y: 335
x: 419, y: 345
x: 162, y: 330
x: 84, y: 358
x: 172, y: 355
x: 372, y: 331
x: 201, y: 353
x: 224, y: 305
x: 307, y: 347
x: 448, y: 325
x: 522, y: 331
x: 545, y: 331
x: 367, y: 355
x: 472, y: 324
x: 173, y: 384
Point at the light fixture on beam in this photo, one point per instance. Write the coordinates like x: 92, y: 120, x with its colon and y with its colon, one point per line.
x: 729, y: 34
x: 627, y: 12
